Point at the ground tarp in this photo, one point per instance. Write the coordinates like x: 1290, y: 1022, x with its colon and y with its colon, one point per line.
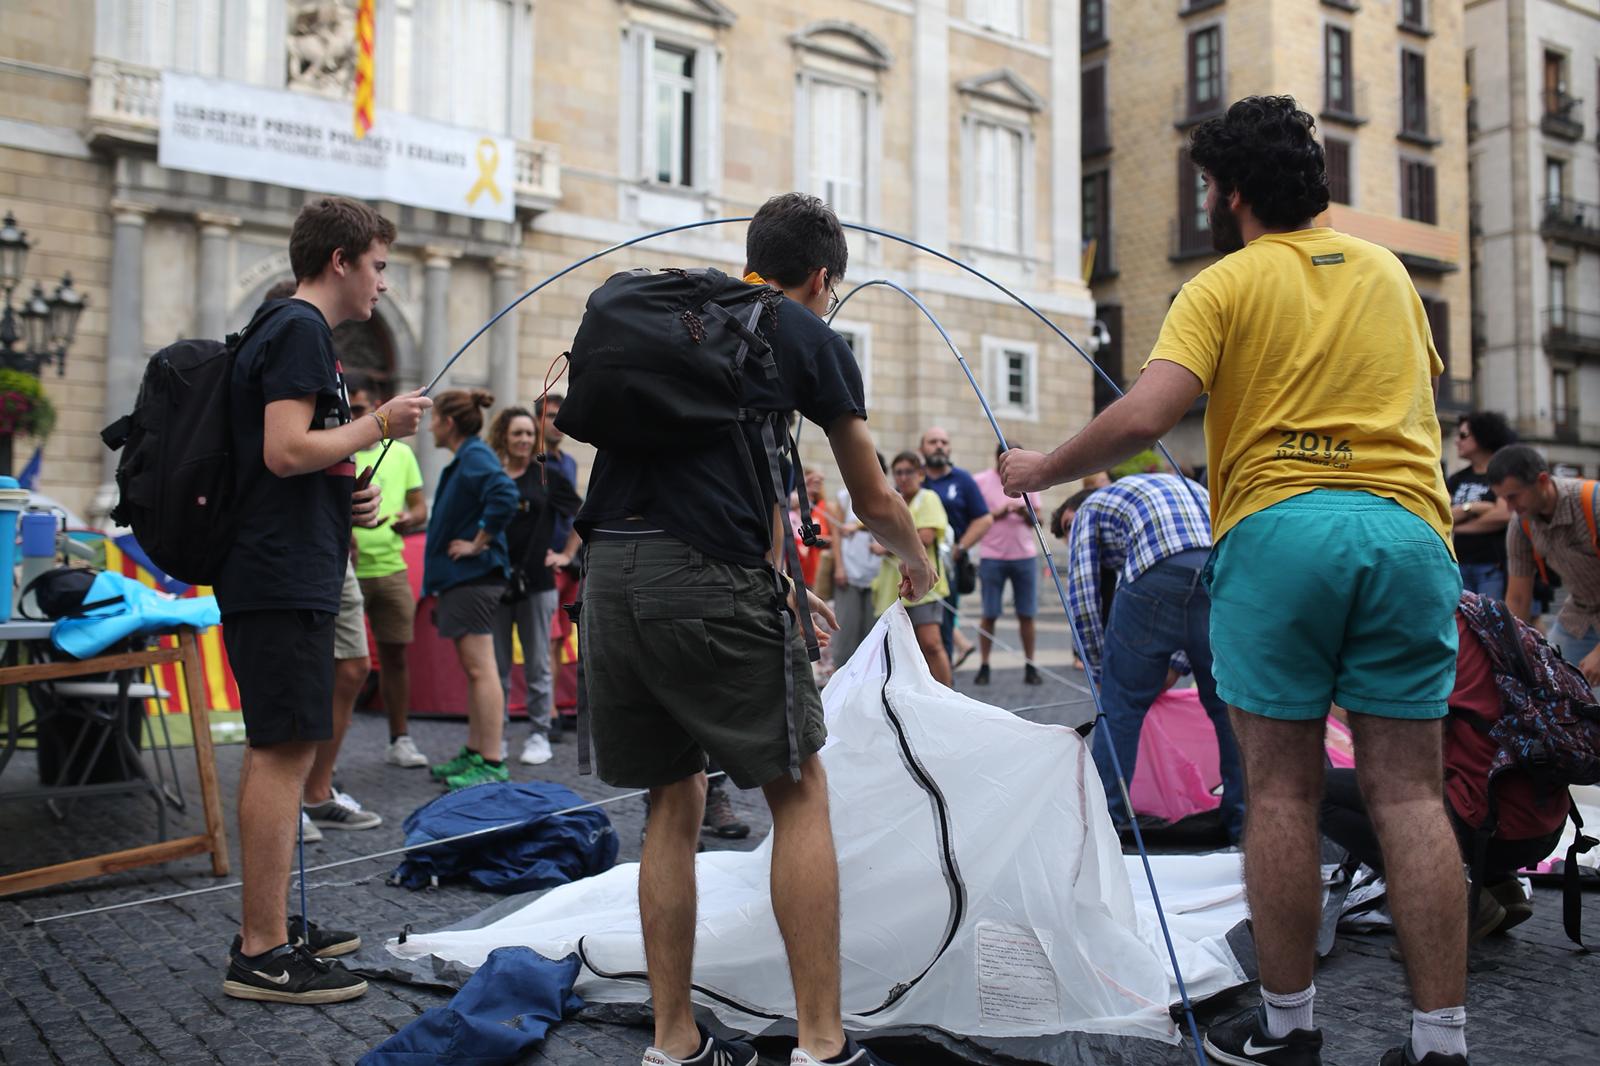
x: 983, y: 891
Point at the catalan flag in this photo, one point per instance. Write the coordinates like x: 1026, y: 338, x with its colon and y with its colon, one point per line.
x: 125, y: 557
x: 365, y: 22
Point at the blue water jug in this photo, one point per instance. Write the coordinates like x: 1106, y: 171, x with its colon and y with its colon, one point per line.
x: 13, y: 498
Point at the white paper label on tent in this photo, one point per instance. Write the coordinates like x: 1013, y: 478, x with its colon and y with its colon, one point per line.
x: 1016, y: 982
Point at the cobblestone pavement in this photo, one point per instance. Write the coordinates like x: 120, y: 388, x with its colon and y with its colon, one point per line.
x: 145, y: 985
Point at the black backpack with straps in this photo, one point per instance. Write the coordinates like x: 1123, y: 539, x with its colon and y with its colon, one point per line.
x: 176, y: 479
x: 658, y: 361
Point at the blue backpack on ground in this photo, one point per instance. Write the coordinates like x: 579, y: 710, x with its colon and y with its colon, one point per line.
x: 544, y: 841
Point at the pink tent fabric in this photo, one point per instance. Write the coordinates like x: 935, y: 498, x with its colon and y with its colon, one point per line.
x: 1177, y: 770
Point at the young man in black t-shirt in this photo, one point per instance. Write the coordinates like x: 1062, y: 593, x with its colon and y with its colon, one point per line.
x: 1480, y: 519
x: 279, y: 588
x: 683, y: 644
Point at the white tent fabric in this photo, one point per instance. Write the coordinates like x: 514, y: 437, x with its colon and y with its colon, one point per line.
x: 982, y: 888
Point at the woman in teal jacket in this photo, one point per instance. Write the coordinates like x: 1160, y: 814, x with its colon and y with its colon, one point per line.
x: 465, y: 566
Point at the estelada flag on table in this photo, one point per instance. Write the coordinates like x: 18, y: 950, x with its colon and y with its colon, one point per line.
x: 125, y: 557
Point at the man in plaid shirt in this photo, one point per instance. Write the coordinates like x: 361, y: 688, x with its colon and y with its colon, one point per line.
x: 1155, y: 531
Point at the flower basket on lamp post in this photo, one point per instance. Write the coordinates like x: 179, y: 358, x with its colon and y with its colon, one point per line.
x: 25, y: 411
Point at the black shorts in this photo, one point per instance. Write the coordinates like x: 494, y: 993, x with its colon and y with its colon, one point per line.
x: 283, y: 662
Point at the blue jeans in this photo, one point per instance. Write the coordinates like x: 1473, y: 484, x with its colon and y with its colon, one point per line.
x: 1574, y: 646
x: 1166, y: 610
x: 947, y: 623
x: 1486, y: 579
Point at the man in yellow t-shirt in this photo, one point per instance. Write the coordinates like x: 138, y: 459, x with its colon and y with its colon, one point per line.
x: 933, y: 527
x: 391, y: 606
x: 1332, y: 579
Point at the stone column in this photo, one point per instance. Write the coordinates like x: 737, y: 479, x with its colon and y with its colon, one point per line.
x: 211, y: 307
x: 505, y: 361
x: 930, y: 113
x: 1066, y: 165
x: 435, y: 350
x: 125, y: 354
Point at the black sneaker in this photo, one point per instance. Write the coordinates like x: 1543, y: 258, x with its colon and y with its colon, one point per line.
x: 1030, y: 675
x: 714, y: 1051
x: 719, y: 818
x: 1402, y: 1056
x: 1242, y: 1040
x: 982, y: 676
x: 324, y: 943
x: 290, y: 975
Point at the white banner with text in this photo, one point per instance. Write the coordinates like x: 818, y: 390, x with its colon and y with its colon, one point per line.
x: 308, y: 142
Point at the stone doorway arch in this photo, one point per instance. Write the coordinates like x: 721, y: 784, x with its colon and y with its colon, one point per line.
x: 369, y: 349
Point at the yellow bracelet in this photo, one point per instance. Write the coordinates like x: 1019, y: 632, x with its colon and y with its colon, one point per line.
x: 383, y: 424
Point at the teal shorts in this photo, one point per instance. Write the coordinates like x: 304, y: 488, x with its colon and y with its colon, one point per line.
x: 1334, y: 597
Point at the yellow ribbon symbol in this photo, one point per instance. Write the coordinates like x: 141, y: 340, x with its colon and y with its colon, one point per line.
x: 488, y: 160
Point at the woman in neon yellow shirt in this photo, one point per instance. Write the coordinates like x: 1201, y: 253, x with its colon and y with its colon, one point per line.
x: 933, y: 526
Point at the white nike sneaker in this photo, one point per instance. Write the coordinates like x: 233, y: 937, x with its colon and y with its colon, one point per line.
x: 536, y: 752
x: 403, y: 752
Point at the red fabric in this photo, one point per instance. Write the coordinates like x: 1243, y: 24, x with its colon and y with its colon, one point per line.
x: 1468, y: 752
x: 811, y: 558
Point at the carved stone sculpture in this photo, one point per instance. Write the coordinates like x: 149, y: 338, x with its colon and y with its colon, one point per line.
x: 322, y: 46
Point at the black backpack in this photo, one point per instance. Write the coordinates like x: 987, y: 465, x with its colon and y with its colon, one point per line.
x: 176, y: 480
x: 63, y: 592
x: 659, y: 362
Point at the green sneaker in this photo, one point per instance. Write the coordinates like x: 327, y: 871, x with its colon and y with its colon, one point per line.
x: 462, y: 760
x: 477, y: 772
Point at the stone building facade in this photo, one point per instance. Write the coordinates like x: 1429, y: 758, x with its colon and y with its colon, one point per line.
x: 1534, y: 67
x: 1384, y: 79
x: 953, y: 122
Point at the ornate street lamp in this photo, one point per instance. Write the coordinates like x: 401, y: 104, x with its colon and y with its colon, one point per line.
x: 45, y: 326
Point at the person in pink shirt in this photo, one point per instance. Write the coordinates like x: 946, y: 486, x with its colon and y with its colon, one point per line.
x: 1010, y: 553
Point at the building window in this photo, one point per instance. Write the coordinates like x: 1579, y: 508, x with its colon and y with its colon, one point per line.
x: 1557, y: 278
x: 1194, y: 225
x: 1413, y: 93
x: 1205, y: 71
x: 1414, y: 14
x: 1013, y: 377
x: 1417, y: 200
x: 858, y: 335
x: 1338, y: 82
x: 672, y: 114
x: 1002, y: 16
x: 997, y: 187
x: 838, y: 147
x: 1092, y: 23
x: 1095, y: 122
x: 1097, y: 223
x: 1438, y: 313
x: 1109, y: 356
x: 1562, y: 412
x: 1555, y: 180
x: 1337, y: 154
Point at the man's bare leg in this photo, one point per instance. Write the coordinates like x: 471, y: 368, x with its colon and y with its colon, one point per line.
x: 394, y: 686
x: 1283, y: 764
x: 1026, y: 627
x: 667, y: 903
x: 805, y: 899
x: 270, y: 786
x: 348, y: 677
x: 1400, y: 765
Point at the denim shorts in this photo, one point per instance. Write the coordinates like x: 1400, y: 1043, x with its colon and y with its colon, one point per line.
x: 1334, y: 597
x: 1024, y: 577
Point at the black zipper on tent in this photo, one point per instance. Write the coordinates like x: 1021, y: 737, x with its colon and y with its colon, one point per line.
x: 952, y: 876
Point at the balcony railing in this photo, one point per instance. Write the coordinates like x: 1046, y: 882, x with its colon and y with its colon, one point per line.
x: 1571, y: 220
x: 1455, y: 395
x: 1565, y: 423
x: 1190, y: 239
x: 1421, y: 124
x: 1572, y: 333
x: 1346, y: 104
x: 1563, y: 115
x: 125, y: 106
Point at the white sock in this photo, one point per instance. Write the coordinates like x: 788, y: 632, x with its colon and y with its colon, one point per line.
x: 1443, y: 1031
x: 1288, y: 1012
